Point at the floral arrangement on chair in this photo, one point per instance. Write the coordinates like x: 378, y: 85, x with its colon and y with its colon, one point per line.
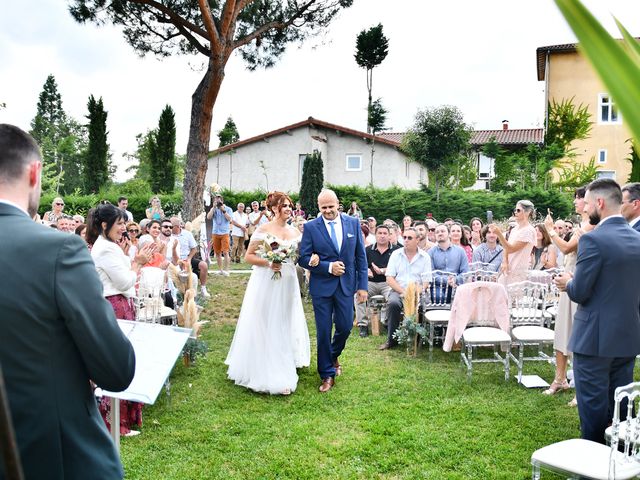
x: 407, y: 333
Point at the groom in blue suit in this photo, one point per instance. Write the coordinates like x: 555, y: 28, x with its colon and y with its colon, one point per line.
x: 606, y: 328
x: 340, y: 273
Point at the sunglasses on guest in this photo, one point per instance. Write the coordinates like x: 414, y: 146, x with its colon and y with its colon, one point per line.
x: 60, y: 204
x: 517, y: 210
x: 407, y: 237
x: 133, y: 230
x: 432, y: 229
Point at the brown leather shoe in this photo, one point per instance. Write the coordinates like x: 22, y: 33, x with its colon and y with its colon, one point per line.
x: 384, y: 346
x: 338, y: 368
x: 327, y: 384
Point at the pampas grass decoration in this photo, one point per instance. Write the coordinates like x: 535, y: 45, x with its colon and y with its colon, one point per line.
x: 189, y: 314
x: 178, y: 277
x: 410, y: 300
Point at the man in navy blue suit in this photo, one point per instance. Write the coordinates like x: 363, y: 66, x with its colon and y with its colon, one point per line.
x: 606, y: 327
x: 340, y: 273
x: 631, y: 204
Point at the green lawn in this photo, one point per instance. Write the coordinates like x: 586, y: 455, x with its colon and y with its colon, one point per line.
x: 389, y: 416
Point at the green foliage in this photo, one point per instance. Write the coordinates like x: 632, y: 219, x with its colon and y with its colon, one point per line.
x: 97, y: 156
x: 312, y: 182
x: 372, y: 47
x: 62, y: 141
x: 377, y: 117
x: 567, y: 123
x: 573, y: 175
x: 437, y: 140
x: 408, y: 329
x: 396, y: 202
x: 634, y: 159
x: 163, y: 153
x: 145, y: 144
x: 137, y: 191
x: 229, y: 133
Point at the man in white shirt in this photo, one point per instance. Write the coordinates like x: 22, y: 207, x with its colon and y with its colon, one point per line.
x: 407, y: 264
x: 239, y: 224
x: 631, y: 204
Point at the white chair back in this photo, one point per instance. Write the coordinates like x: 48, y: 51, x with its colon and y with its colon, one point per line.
x: 626, y: 400
x: 527, y: 303
x: 440, y: 292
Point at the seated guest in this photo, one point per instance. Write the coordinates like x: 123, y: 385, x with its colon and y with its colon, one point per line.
x: 365, y: 233
x: 407, y: 264
x: 371, y: 223
x: 457, y: 238
x: 490, y: 251
x: 394, y: 234
x: 423, y: 241
x: 66, y: 224
x: 378, y: 256
x: 447, y: 257
x: 187, y: 249
x: 431, y: 229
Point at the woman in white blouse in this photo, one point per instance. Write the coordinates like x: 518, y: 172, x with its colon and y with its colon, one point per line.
x: 118, y: 273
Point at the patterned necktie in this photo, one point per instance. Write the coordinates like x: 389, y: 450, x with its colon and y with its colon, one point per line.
x: 334, y: 237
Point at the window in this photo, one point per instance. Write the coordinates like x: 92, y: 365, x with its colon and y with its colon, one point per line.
x: 485, y: 167
x: 608, y: 110
x: 606, y: 174
x: 301, y: 158
x: 354, y: 162
x: 602, y: 156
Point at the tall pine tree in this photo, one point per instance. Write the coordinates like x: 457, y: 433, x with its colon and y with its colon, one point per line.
x: 163, y: 153
x: 229, y: 133
x: 61, y: 139
x: 97, y: 156
x: 312, y: 182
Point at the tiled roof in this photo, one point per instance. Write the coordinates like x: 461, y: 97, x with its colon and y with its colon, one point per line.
x: 523, y: 136
x: 309, y: 122
x: 393, y: 136
x: 541, y: 55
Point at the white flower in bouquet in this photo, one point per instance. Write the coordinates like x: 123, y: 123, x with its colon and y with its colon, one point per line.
x: 275, y: 251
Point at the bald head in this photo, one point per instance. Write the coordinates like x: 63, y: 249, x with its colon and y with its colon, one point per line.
x: 328, y: 204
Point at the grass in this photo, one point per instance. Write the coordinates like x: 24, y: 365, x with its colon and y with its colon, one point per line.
x: 389, y: 416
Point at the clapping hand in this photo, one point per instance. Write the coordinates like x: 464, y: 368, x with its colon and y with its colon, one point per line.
x: 145, y: 253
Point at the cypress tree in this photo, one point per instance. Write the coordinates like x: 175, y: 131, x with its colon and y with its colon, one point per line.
x: 163, y: 153
x: 97, y: 157
x: 312, y: 182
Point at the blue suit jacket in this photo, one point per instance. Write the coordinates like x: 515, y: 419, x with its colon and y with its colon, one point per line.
x: 636, y: 227
x: 606, y: 287
x: 316, y: 239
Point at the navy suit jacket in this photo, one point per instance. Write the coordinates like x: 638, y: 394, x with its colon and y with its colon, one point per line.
x: 636, y: 227
x: 316, y: 239
x: 57, y: 332
x: 606, y: 285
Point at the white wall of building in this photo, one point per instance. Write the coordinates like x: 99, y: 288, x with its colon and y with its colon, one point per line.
x: 275, y: 163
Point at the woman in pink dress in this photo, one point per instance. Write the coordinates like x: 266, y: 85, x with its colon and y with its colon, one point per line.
x: 517, y: 249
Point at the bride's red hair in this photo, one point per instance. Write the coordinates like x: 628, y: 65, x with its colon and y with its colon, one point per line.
x: 277, y: 199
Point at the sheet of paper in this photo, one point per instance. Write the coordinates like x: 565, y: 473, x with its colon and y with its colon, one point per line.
x: 156, y: 347
x: 533, y: 381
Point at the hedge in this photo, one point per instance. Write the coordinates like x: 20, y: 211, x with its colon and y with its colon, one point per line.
x: 380, y: 203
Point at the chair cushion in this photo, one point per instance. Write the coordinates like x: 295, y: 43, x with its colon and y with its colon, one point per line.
x: 530, y: 333
x: 485, y: 335
x: 553, y: 311
x: 437, y: 315
x: 584, y: 458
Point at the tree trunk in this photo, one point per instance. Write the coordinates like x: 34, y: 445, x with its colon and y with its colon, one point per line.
x: 202, y: 102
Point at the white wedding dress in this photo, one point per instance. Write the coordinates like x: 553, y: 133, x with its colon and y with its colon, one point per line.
x: 271, y: 338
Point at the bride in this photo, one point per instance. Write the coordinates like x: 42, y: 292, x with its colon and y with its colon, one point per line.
x: 271, y: 338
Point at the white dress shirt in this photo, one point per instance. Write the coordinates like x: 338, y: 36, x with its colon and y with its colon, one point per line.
x: 337, y: 227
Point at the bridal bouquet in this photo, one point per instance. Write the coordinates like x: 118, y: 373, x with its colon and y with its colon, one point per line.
x: 274, y: 252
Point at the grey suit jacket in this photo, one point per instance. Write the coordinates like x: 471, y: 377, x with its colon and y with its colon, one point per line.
x: 606, y: 287
x: 57, y: 333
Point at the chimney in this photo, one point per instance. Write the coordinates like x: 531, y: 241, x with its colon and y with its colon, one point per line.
x: 505, y: 124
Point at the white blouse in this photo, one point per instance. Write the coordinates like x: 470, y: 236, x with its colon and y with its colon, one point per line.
x: 114, y: 268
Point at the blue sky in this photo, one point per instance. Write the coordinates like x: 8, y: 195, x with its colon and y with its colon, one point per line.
x: 478, y: 56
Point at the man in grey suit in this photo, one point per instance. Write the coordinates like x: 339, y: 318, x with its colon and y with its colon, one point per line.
x: 631, y: 204
x: 606, y: 328
x: 58, y: 332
